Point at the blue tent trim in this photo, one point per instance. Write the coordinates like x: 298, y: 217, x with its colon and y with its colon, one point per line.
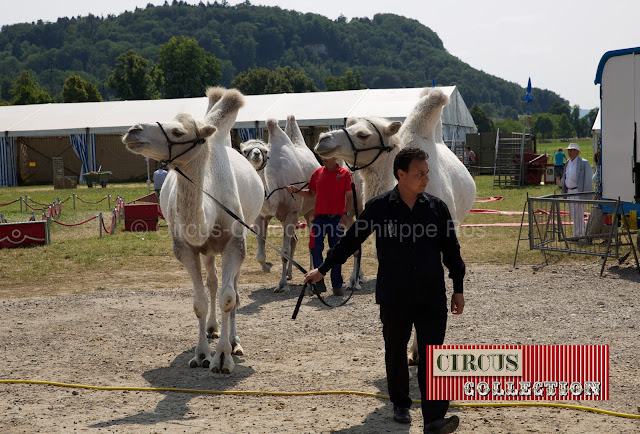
x: 8, y: 176
x: 85, y: 147
x: 608, y: 55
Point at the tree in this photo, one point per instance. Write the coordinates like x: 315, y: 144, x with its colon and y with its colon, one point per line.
x: 565, y: 129
x: 559, y: 108
x: 299, y: 81
x: 5, y: 88
x: 134, y: 78
x: 76, y: 89
x: 28, y: 91
x: 483, y: 122
x: 260, y: 81
x: 543, y: 126
x: 349, y: 81
x: 254, y: 81
x: 188, y: 69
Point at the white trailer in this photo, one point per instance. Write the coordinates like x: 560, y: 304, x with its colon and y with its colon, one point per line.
x: 619, y: 78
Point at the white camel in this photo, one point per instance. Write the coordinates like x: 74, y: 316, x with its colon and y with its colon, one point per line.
x: 272, y: 168
x: 449, y: 180
x: 279, y: 163
x: 200, y: 228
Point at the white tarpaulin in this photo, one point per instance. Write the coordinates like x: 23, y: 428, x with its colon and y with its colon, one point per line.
x: 310, y: 109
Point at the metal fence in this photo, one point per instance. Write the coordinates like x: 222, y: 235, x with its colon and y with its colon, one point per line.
x: 580, y: 224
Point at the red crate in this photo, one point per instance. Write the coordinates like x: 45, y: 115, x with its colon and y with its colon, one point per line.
x: 141, y: 217
x: 23, y: 234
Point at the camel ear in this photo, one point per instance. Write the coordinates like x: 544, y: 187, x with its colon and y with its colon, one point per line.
x: 242, y: 146
x: 207, y: 131
x: 393, y: 128
x: 351, y: 121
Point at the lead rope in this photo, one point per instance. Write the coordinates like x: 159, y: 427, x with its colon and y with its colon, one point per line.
x: 298, y: 266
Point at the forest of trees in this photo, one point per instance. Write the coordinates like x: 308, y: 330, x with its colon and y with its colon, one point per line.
x: 560, y: 122
x: 176, y: 50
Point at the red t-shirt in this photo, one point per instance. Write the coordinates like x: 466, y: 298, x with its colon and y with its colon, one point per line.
x: 330, y: 188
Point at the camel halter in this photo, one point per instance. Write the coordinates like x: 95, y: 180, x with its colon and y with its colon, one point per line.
x: 265, y: 157
x: 381, y: 148
x: 197, y: 141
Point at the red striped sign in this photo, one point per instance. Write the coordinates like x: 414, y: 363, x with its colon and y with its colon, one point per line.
x: 517, y: 372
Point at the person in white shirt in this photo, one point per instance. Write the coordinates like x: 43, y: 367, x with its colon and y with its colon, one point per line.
x: 576, y: 179
x: 158, y: 179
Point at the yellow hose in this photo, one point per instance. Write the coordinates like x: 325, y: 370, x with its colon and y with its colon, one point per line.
x: 321, y: 392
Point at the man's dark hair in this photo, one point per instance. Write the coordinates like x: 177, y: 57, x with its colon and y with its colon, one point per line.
x: 405, y: 157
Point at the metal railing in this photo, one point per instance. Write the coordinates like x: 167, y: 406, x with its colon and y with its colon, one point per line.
x: 557, y: 223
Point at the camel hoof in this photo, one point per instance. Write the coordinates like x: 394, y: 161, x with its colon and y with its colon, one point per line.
x: 213, y: 333
x: 193, y: 363
x: 266, y: 267
x: 237, y: 350
x: 281, y: 288
x: 205, y: 364
x: 215, y: 370
x: 226, y: 371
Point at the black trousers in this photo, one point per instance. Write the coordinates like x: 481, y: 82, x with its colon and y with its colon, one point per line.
x: 397, y: 322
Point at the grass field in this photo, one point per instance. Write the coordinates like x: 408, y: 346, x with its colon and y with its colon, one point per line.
x: 550, y: 148
x: 81, y: 253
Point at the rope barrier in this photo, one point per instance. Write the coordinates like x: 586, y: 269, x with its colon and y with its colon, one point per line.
x: 31, y: 207
x: 76, y: 224
x: 113, y: 222
x: 66, y: 200
x: 316, y: 393
x: 93, y: 203
x: 38, y: 203
x: 9, y: 203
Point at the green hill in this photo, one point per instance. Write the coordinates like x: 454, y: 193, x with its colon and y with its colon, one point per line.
x: 388, y: 51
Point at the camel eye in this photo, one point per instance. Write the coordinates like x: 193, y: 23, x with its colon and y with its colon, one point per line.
x: 362, y: 135
x: 176, y: 132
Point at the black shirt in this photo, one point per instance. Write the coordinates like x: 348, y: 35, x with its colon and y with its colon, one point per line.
x: 411, y: 245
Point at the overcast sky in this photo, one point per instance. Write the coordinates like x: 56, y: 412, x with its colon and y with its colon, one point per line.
x: 558, y: 43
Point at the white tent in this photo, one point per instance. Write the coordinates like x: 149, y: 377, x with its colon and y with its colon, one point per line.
x: 315, y: 109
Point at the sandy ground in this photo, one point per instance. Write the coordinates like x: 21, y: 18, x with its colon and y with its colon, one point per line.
x: 143, y: 335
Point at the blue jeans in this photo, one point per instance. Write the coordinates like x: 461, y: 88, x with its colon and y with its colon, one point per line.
x: 326, y: 226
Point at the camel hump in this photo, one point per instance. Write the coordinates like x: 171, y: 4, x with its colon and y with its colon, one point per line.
x: 272, y: 124
x: 292, y: 130
x: 214, y: 94
x: 436, y: 97
x: 233, y: 100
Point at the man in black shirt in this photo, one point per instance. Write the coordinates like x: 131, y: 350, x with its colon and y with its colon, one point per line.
x: 414, y: 236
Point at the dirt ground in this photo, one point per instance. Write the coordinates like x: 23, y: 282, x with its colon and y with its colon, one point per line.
x: 143, y: 333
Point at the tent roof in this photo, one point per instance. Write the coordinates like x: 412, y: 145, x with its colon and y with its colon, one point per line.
x: 310, y: 109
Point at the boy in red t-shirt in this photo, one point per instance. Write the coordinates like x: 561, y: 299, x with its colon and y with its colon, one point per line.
x: 331, y: 186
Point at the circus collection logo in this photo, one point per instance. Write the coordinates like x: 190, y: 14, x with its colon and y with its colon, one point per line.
x: 517, y: 372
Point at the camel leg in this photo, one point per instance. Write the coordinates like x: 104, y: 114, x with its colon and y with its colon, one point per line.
x: 236, y: 348
x: 213, y: 328
x: 289, y: 225
x: 232, y: 256
x: 413, y: 351
x: 191, y: 261
x: 261, y: 224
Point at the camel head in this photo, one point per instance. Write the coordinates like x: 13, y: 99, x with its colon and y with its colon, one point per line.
x: 364, y: 135
x: 180, y: 140
x: 257, y: 152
